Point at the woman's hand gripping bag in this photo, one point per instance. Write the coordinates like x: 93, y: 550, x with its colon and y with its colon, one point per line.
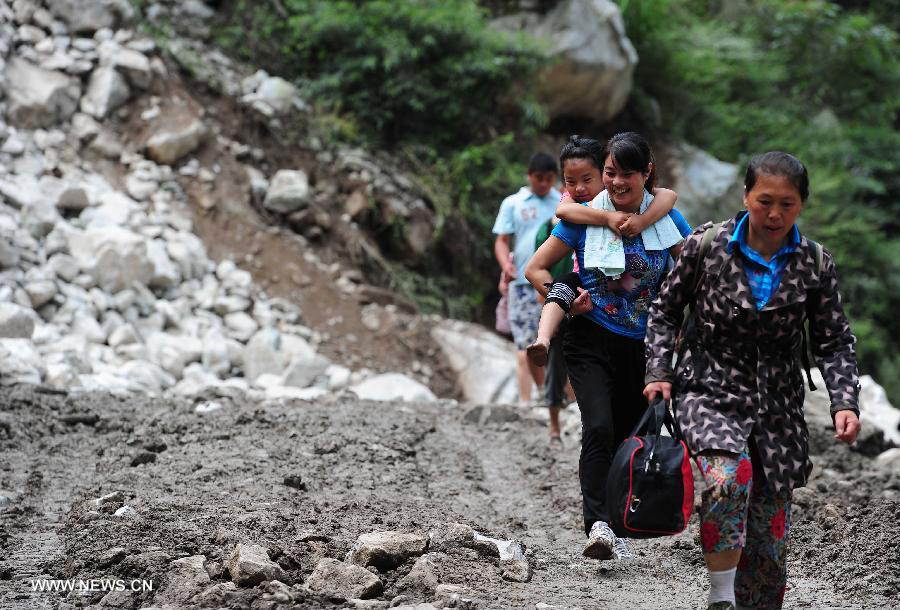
x: 650, y: 489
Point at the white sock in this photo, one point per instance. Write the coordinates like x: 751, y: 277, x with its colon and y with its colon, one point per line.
x: 721, y: 586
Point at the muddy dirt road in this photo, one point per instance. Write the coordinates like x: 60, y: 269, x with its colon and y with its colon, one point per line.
x: 122, y: 489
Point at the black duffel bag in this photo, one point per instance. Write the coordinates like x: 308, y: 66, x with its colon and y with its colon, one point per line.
x: 650, y: 489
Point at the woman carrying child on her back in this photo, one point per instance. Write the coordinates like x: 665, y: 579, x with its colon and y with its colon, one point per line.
x: 751, y: 281
x: 617, y: 280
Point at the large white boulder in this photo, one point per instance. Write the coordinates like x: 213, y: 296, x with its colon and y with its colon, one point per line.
x: 594, y: 63
x: 173, y: 352
x: 37, y: 97
x: 116, y: 258
x: 290, y: 357
x: 393, y: 386
x: 876, y: 410
x: 485, y: 364
x: 708, y: 189
x: 20, y: 362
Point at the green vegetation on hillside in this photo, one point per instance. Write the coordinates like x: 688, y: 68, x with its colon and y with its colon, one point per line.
x: 429, y: 81
x: 813, y: 78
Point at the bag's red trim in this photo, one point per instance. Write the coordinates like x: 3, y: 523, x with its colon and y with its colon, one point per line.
x: 687, y: 477
x: 687, y: 498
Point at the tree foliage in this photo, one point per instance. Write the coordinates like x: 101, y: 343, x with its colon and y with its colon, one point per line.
x: 814, y: 78
x: 428, y: 72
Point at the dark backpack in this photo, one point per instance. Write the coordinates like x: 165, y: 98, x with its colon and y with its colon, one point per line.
x: 650, y: 487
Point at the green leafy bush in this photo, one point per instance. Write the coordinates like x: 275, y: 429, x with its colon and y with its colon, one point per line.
x: 427, y: 72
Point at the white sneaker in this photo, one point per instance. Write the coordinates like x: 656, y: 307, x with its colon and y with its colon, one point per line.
x: 601, y: 542
x: 621, y: 549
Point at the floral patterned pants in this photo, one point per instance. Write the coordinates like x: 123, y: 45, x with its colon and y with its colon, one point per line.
x: 740, y: 511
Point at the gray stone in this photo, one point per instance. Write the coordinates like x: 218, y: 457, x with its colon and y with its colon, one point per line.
x: 89, y: 15
x: 9, y: 254
x: 708, y: 189
x: 107, y: 90
x: 184, y: 578
x: 16, y: 322
x: 483, y: 362
x: 288, y: 192
x: 594, y: 60
x: 423, y: 578
x: 517, y: 570
x: 889, y: 460
x: 38, y: 97
x: 115, y: 257
x: 168, y: 146
x: 393, y: 386
x: 214, y: 596
x: 447, y: 536
x: 249, y: 565
x: 386, y: 550
x: 134, y: 65
x: 333, y: 577
x: 40, y: 292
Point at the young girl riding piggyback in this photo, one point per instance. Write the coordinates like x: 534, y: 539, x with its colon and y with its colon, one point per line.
x: 584, y: 176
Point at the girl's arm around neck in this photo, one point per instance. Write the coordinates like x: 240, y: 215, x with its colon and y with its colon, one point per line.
x: 576, y: 213
x: 663, y: 202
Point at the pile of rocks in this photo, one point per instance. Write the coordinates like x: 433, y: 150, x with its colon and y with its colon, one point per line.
x: 103, y: 284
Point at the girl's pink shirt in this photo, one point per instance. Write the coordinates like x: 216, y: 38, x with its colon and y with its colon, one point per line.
x: 574, y: 258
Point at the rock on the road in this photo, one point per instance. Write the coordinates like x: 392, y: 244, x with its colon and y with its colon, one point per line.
x: 385, y: 550
x: 249, y: 565
x: 333, y: 577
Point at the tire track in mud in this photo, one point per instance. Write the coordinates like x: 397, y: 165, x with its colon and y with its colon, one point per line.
x: 56, y: 464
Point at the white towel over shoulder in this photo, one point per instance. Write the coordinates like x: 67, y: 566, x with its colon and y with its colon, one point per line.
x: 663, y: 233
x: 603, y: 247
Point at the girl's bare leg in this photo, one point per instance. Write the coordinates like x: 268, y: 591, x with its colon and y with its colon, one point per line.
x: 552, y: 316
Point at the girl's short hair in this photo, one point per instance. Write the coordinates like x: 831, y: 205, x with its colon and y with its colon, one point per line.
x: 777, y: 163
x: 632, y: 152
x: 582, y: 148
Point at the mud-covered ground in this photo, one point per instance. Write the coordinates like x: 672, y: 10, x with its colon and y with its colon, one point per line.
x: 305, y: 479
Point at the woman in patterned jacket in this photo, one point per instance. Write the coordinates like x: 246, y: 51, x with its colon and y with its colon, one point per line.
x: 738, y: 388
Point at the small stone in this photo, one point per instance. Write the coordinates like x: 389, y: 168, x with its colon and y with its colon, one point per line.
x: 295, y: 481
x: 333, y: 577
x: 144, y: 457
x: 249, y: 565
x: 126, y: 512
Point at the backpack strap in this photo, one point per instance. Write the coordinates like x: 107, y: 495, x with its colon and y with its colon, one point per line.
x: 687, y: 324
x: 705, y: 243
x: 804, y: 341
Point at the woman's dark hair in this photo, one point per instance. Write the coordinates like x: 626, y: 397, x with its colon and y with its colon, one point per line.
x: 631, y: 152
x: 777, y: 163
x: 582, y: 148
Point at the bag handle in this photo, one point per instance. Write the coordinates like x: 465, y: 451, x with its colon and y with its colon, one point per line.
x: 654, y: 418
